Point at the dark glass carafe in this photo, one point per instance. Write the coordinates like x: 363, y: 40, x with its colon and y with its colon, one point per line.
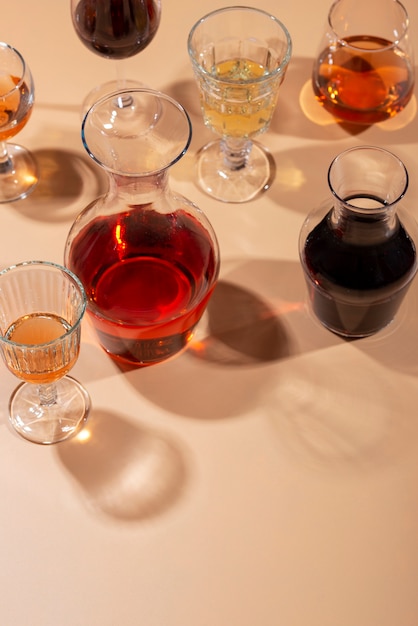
x: 358, y: 251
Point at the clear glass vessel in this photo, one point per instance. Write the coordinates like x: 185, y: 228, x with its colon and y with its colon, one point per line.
x: 115, y: 29
x: 41, y: 308
x: 148, y: 258
x: 18, y: 169
x: 240, y: 57
x: 364, y: 71
x: 358, y: 250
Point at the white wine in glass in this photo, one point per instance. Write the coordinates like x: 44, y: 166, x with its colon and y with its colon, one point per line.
x: 240, y: 57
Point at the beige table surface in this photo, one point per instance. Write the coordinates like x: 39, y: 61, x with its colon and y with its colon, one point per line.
x: 269, y: 475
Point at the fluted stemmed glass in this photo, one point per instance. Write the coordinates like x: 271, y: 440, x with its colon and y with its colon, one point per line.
x: 115, y: 29
x: 18, y: 169
x: 41, y: 307
x: 239, y: 56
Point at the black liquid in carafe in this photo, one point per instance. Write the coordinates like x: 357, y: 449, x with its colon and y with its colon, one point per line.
x: 358, y: 273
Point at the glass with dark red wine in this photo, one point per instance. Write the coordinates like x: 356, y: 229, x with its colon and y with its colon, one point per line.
x: 148, y: 258
x: 115, y: 29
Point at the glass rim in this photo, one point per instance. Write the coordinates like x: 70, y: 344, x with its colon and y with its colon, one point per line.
x: 63, y: 269
x: 124, y: 92
x: 392, y: 44
x: 276, y: 72
x: 376, y: 210
x: 7, y: 46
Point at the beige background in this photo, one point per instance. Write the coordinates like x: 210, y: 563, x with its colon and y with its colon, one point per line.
x: 268, y: 476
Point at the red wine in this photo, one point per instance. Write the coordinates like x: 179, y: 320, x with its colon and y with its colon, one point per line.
x: 148, y: 278
x: 356, y: 289
x: 116, y: 29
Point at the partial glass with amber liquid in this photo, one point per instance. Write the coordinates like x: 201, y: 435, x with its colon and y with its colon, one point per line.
x: 364, y: 72
x: 41, y: 307
x: 18, y: 169
x: 15, y: 105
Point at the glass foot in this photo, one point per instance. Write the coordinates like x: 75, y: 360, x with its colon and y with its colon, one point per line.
x: 234, y: 185
x: 18, y: 175
x: 49, y: 423
x: 106, y: 89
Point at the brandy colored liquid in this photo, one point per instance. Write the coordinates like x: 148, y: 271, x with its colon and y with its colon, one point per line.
x: 35, y: 358
x: 15, y: 106
x: 148, y: 277
x: 366, y: 81
x: 116, y: 29
x: 235, y: 108
x: 357, y: 289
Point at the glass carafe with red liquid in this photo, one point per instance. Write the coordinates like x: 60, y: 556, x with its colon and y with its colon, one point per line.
x: 364, y: 70
x: 358, y: 249
x: 147, y: 257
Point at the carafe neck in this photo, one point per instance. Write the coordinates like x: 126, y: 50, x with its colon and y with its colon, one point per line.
x: 138, y: 189
x: 365, y: 222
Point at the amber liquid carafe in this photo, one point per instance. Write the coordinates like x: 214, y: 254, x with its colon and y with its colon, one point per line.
x: 364, y: 70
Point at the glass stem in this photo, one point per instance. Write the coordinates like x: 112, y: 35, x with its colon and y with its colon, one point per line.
x: 47, y: 394
x: 236, y: 152
x: 121, y: 101
x: 5, y: 161
x: 120, y: 75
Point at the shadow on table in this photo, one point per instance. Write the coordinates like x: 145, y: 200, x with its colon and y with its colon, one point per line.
x: 301, y: 173
x: 343, y: 411
x: 259, y: 315
x: 300, y: 182
x: 395, y: 346
x: 256, y: 319
x: 124, y: 471
x: 352, y: 410
x: 68, y: 182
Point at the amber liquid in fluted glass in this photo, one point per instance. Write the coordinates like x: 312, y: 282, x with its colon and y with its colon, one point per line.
x: 34, y: 356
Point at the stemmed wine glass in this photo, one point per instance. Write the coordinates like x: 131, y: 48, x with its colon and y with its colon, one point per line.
x: 239, y: 56
x: 115, y: 29
x: 18, y: 170
x: 41, y: 307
